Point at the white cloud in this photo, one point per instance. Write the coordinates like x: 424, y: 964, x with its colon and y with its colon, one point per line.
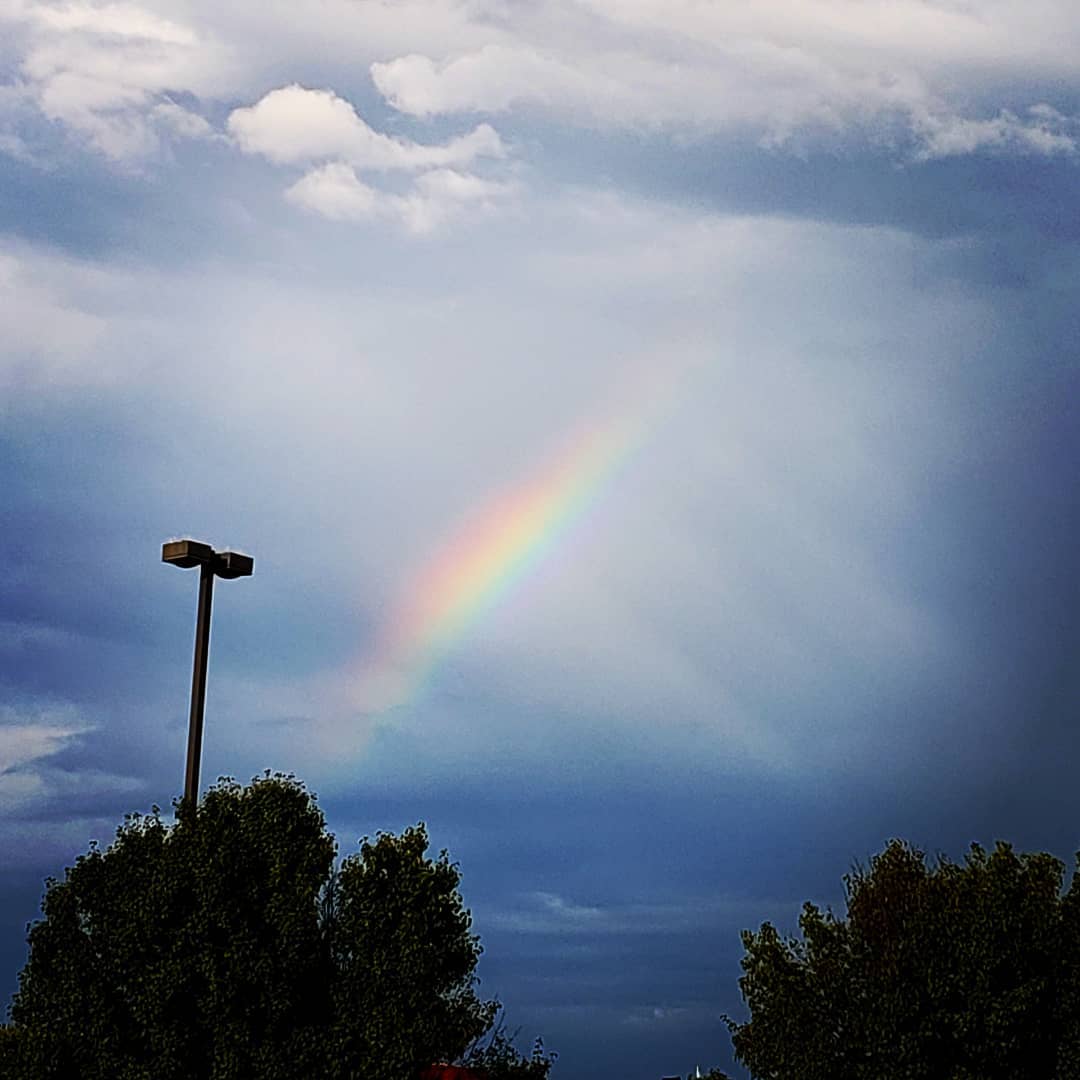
x: 25, y: 790
x: 182, y: 121
x: 267, y: 38
x: 443, y: 194
x: 1044, y: 131
x: 773, y: 70
x: 125, y: 21
x: 294, y: 124
x: 25, y: 739
x: 105, y: 72
x: 334, y: 191
x: 938, y: 77
x: 492, y: 79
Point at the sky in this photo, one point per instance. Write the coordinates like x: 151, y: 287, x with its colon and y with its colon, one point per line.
x: 653, y: 423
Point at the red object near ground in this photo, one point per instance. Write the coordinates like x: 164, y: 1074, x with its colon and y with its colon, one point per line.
x: 449, y: 1072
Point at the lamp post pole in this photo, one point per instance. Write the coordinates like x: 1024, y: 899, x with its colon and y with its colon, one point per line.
x: 198, y: 684
x: 227, y: 564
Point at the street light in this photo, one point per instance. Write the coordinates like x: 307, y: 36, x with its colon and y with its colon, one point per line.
x: 225, y: 564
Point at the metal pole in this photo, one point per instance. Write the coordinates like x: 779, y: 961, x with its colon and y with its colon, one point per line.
x: 198, y: 685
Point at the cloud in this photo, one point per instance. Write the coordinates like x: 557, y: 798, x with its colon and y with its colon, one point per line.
x: 14, y: 147
x: 123, y: 21
x: 1044, y: 131
x: 774, y: 71
x: 335, y: 192
x: 106, y: 72
x: 47, y: 332
x: 493, y: 79
x: 293, y: 124
x: 26, y: 740
x: 549, y: 914
x: 922, y: 79
x: 29, y: 793
x: 183, y: 122
x: 751, y: 554
x: 672, y: 607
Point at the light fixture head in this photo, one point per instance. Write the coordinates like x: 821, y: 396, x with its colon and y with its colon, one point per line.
x: 186, y: 553
x: 231, y: 564
x: 189, y: 553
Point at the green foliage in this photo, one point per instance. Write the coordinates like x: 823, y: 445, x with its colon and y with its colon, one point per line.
x: 947, y: 973
x: 404, y: 996
x: 496, y: 1057
x: 225, y: 947
x: 10, y: 1050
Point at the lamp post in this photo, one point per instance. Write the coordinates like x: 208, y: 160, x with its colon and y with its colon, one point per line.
x: 225, y: 564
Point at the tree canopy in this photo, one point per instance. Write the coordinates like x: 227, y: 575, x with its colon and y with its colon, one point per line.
x: 951, y: 972
x: 227, y: 945
x: 496, y: 1058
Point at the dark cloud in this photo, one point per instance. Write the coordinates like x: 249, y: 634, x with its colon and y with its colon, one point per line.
x: 1017, y: 204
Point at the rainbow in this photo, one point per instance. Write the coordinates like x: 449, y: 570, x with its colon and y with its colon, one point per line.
x: 496, y: 547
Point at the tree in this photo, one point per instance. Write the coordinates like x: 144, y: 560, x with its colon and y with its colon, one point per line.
x: 955, y: 972
x: 227, y: 946
x: 10, y: 1050
x: 496, y: 1058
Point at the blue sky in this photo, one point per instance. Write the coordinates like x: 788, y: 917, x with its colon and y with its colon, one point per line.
x: 319, y: 284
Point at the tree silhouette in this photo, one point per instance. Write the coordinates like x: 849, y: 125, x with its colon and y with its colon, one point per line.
x: 227, y: 946
x: 956, y: 971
